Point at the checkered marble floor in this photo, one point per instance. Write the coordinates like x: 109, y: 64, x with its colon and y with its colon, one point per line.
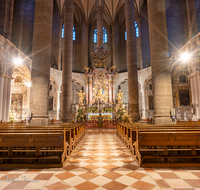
x: 101, y: 162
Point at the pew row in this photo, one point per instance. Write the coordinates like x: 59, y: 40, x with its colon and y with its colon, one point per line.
x: 38, y: 146
x: 158, y: 154
x: 167, y: 146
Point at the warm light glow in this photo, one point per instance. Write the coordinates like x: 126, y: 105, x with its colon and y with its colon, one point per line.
x: 185, y: 57
x: 28, y: 84
x: 18, y: 61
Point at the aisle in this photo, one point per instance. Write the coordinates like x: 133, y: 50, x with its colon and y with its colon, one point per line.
x: 101, y: 162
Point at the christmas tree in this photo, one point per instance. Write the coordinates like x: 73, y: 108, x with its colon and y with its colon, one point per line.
x: 80, y: 115
x: 120, y: 112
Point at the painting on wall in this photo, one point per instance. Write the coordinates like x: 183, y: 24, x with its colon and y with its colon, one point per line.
x: 16, y: 107
x: 17, y: 101
x: 184, y: 96
x: 18, y: 79
x: 150, y: 102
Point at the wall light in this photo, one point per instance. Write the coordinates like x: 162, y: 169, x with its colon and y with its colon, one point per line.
x: 28, y: 84
x: 185, y: 57
x: 18, y: 61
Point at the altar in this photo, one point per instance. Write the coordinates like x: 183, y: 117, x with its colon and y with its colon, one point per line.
x: 100, y: 98
x: 100, y: 87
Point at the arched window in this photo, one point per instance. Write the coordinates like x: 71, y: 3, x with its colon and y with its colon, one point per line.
x: 63, y: 31
x: 95, y: 36
x: 136, y: 31
x: 74, y: 33
x: 105, y: 36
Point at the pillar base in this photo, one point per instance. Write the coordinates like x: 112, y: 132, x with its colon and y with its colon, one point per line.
x: 162, y: 120
x: 40, y: 120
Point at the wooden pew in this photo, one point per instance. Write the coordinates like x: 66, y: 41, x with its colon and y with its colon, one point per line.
x: 190, y: 123
x: 23, y: 122
x: 39, y: 145
x: 32, y: 144
x: 168, y: 146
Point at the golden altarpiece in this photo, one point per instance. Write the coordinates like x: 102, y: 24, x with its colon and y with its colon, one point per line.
x: 100, y: 86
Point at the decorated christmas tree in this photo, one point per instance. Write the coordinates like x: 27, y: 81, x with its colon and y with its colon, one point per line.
x: 80, y: 115
x: 120, y: 112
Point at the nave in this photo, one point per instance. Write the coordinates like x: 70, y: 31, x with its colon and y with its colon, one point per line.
x: 101, y: 162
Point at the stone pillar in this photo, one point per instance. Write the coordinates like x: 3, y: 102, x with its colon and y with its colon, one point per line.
x: 90, y: 90
x: 113, y: 93
x: 5, y: 98
x: 162, y: 85
x: 110, y: 88
x: 113, y: 44
x: 132, y: 60
x: 143, y: 105
x: 8, y: 99
x: 42, y: 38
x: 191, y: 15
x: 67, y: 62
x: 87, y: 92
x: 140, y: 60
x: 60, y: 44
x: 58, y: 104
x: 198, y: 95
x: 194, y: 89
x: 100, y: 9
x: 84, y: 45
x: 1, y: 96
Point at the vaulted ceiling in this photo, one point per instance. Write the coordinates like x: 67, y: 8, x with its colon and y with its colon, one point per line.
x: 87, y: 9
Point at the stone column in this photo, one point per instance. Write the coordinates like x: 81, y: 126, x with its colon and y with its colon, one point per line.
x: 5, y: 98
x: 113, y: 44
x: 162, y: 85
x: 58, y: 104
x: 66, y: 98
x: 140, y: 60
x: 132, y: 60
x: 87, y: 91
x: 110, y: 88
x: 198, y: 95
x: 90, y: 90
x: 143, y: 105
x: 8, y: 99
x: 100, y: 8
x: 194, y: 96
x: 60, y: 44
x: 84, y: 45
x: 42, y: 38
x: 1, y: 96
x: 191, y: 14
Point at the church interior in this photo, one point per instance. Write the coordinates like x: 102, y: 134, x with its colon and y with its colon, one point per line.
x: 100, y: 94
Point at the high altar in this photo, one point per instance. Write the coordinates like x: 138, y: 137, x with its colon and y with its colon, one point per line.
x: 100, y: 85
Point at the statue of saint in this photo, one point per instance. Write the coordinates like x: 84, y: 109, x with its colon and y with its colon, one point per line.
x: 120, y: 97
x: 81, y: 97
x: 99, y: 94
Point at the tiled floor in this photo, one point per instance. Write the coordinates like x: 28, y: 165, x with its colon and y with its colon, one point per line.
x: 101, y: 162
